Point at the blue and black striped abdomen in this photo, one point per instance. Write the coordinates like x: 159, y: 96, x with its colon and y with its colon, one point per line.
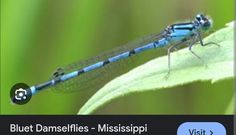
x: 95, y: 72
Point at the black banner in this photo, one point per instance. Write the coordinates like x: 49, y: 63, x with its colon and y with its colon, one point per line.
x: 118, y: 124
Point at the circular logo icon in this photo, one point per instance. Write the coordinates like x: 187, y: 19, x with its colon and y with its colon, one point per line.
x: 20, y: 93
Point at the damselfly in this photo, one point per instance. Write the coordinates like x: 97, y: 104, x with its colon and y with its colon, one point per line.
x: 173, y: 36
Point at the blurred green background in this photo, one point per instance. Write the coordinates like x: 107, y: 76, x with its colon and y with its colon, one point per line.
x: 37, y: 36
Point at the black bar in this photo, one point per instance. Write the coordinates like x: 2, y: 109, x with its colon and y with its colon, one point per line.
x: 156, y: 124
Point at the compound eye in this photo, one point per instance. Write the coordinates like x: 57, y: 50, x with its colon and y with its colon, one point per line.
x: 198, y: 17
x: 207, y: 24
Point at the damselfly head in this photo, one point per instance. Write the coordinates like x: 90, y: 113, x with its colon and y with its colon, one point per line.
x: 204, y: 21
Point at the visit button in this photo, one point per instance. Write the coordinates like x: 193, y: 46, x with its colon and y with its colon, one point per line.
x: 201, y: 128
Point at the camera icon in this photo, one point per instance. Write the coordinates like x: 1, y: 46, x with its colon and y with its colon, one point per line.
x: 20, y: 94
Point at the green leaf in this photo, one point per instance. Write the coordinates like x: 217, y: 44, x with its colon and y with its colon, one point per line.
x: 185, y: 68
x: 231, y: 109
